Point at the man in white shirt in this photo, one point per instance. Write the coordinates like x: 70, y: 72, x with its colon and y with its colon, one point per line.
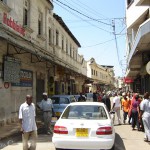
x: 46, y: 106
x: 116, y: 108
x: 28, y: 124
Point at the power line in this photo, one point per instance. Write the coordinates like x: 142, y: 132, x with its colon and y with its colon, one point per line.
x: 101, y: 42
x: 84, y: 20
x: 86, y: 7
x: 83, y: 14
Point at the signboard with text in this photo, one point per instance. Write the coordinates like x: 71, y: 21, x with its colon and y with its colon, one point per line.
x: 11, y: 69
x: 26, y: 78
x: 128, y: 80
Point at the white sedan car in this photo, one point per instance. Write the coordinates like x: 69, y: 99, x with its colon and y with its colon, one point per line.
x: 84, y: 125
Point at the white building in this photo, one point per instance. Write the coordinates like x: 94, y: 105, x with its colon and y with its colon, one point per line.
x: 38, y: 53
x: 100, y: 77
x: 138, y: 47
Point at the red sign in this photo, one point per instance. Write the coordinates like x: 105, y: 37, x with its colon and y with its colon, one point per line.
x: 11, y: 23
x: 128, y: 80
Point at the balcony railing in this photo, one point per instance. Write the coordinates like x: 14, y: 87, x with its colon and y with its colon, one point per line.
x: 143, y: 30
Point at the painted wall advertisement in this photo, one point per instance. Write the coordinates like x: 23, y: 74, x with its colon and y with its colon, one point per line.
x: 26, y: 79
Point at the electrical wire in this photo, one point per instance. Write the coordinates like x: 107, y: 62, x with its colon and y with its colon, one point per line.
x: 83, y: 14
x: 84, y: 20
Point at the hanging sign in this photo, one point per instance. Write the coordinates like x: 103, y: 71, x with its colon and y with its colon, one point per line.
x: 128, y: 80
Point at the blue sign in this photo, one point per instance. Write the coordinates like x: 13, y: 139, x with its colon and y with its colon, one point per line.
x: 26, y: 79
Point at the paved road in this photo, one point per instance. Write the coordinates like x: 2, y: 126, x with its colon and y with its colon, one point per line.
x: 126, y: 139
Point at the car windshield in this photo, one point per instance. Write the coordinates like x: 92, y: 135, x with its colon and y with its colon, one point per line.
x: 61, y: 100
x: 92, y: 112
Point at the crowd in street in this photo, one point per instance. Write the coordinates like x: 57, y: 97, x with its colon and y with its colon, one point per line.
x: 136, y: 110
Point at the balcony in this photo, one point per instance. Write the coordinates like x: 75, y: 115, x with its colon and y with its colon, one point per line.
x: 143, y: 2
x: 140, y: 45
x: 142, y: 40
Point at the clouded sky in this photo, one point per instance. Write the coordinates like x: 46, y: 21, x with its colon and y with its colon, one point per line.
x: 99, y: 26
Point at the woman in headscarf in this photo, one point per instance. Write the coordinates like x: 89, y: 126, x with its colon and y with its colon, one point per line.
x: 134, y: 111
x: 145, y: 115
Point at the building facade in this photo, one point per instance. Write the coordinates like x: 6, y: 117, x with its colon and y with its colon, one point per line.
x: 102, y: 77
x: 138, y: 47
x: 38, y: 54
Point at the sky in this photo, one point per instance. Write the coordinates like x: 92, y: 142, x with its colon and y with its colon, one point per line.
x: 99, y: 26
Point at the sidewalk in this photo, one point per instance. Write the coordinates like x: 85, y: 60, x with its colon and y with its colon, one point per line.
x: 9, y: 130
x: 13, y: 129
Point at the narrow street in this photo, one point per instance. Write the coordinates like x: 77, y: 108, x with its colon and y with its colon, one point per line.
x: 126, y: 139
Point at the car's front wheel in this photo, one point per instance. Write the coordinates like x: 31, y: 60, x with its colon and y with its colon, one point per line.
x: 58, y: 148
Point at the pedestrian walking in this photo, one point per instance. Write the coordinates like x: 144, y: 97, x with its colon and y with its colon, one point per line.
x: 28, y: 124
x: 94, y: 97
x: 134, y: 109
x: 116, y: 107
x: 106, y: 101
x: 129, y: 96
x: 125, y: 102
x: 81, y: 98
x: 145, y: 115
x: 46, y: 106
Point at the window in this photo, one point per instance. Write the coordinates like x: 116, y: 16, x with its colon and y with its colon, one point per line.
x: 40, y: 24
x: 92, y: 112
x: 73, y: 54
x: 70, y: 50
x: 50, y: 36
x: 63, y: 101
x: 92, y: 71
x: 66, y: 46
x: 26, y: 13
x: 57, y: 38
x: 62, y: 42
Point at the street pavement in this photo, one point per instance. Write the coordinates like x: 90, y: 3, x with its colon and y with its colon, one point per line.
x: 126, y: 139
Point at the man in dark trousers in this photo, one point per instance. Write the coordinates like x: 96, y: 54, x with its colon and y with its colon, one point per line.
x: 81, y: 98
x: 106, y: 101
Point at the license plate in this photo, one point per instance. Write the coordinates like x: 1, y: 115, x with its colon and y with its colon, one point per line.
x: 58, y: 114
x: 82, y: 132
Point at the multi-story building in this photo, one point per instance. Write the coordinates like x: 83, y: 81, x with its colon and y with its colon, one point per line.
x: 38, y: 53
x: 102, y: 77
x: 138, y: 44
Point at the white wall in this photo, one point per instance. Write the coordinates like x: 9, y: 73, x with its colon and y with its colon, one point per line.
x: 133, y: 13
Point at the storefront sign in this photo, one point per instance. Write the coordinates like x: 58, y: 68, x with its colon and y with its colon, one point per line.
x: 148, y: 67
x: 128, y: 80
x: 26, y: 79
x: 11, y: 69
x: 12, y: 24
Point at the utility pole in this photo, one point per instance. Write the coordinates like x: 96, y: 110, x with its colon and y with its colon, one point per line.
x: 114, y: 32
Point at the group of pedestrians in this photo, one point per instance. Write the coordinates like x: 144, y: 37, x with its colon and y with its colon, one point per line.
x: 136, y: 109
